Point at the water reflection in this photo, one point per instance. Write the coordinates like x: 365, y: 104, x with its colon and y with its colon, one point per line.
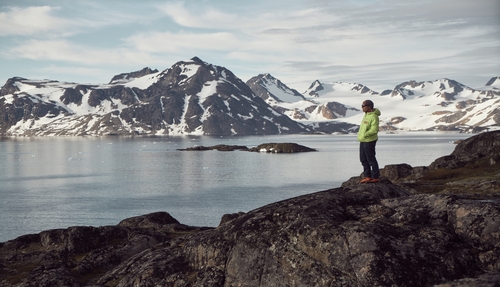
x: 59, y: 182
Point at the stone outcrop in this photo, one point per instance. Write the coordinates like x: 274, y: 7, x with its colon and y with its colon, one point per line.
x: 265, y: 147
x: 281, y: 148
x: 125, y: 77
x: 407, y: 230
x: 220, y: 147
x: 65, y: 257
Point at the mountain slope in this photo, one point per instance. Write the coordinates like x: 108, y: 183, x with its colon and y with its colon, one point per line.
x: 197, y: 98
x: 272, y: 90
x: 442, y: 104
x: 192, y: 97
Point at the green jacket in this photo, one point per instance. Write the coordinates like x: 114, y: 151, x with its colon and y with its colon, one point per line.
x: 368, y: 130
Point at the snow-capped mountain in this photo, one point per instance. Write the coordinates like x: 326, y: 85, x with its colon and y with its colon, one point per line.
x: 197, y: 98
x: 127, y: 77
x: 442, y: 104
x: 494, y: 82
x: 272, y: 90
x: 192, y: 97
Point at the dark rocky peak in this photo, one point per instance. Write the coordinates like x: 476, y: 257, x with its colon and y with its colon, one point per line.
x: 314, y: 88
x: 363, y: 89
x: 386, y: 92
x: 199, y: 61
x: 263, y: 86
x: 190, y: 77
x: 127, y: 77
x: 410, y: 84
x: 443, y: 84
x: 10, y: 86
x: 494, y: 82
x: 264, y: 78
x: 402, y: 92
x: 457, y: 87
x: 261, y: 78
x: 441, y: 89
x: 211, y: 100
x: 268, y: 77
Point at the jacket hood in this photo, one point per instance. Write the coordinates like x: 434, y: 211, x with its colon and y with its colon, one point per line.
x: 376, y: 111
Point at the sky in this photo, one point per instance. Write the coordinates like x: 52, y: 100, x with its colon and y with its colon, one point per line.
x: 377, y: 43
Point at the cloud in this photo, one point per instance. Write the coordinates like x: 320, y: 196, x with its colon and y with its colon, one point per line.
x: 247, y: 18
x: 30, y: 21
x: 343, y: 32
x: 41, y: 21
x: 165, y: 42
x: 65, y: 51
x: 201, y: 18
x: 386, y: 75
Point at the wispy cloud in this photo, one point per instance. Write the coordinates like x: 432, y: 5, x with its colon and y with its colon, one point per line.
x: 199, y: 17
x: 66, y: 51
x: 161, y: 42
x: 30, y: 21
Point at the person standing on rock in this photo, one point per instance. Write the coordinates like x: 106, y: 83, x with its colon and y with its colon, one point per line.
x: 367, y: 137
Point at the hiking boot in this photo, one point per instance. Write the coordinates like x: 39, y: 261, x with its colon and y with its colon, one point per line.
x: 373, y: 180
x: 366, y: 180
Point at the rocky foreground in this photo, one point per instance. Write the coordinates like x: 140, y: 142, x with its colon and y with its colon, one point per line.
x: 421, y: 226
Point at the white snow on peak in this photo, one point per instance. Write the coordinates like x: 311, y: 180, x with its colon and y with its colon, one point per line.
x: 144, y: 82
x: 209, y: 89
x: 223, y: 74
x: 279, y: 90
x: 312, y: 89
x: 189, y: 70
x: 424, y: 105
x: 495, y: 83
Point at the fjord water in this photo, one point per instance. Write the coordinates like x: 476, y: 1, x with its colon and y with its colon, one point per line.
x: 57, y: 182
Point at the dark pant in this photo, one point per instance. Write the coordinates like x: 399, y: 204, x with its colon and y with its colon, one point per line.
x: 368, y: 160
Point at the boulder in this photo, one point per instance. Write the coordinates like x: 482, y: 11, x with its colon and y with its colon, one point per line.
x: 364, y: 235
x: 483, y: 149
x: 73, y: 256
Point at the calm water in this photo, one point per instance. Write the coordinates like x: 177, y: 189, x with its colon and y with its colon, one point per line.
x: 48, y: 183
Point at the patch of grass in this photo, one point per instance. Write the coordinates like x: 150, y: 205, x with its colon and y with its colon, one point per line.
x: 79, y: 257
x: 479, y: 179
x: 182, y: 233
x: 441, y: 174
x: 444, y: 175
x: 192, y: 277
x: 19, y: 272
x: 86, y: 278
x: 113, y: 283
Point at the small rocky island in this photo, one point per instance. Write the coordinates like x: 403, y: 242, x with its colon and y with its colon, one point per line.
x: 437, y: 225
x: 266, y: 147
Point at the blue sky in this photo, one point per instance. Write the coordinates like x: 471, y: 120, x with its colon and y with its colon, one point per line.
x: 378, y: 43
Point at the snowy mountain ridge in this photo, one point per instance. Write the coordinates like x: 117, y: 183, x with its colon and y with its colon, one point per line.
x: 197, y: 98
x: 442, y: 104
x: 273, y: 90
x: 190, y: 98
